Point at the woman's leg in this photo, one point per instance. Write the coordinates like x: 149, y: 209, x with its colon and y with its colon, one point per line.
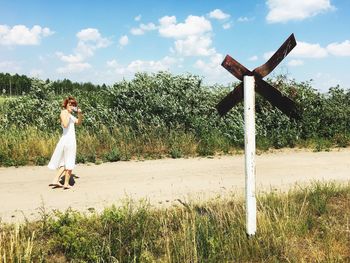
x: 56, y: 179
x: 66, y: 179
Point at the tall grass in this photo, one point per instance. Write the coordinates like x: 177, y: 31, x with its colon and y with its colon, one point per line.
x: 33, y: 146
x: 30, y: 146
x: 15, y: 245
x: 304, y: 225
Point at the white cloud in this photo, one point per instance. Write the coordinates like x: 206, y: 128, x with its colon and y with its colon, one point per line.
x: 137, y: 31
x: 148, y: 27
x: 192, y: 38
x: 253, y: 58
x: 286, y: 10
x: 142, y: 66
x: 112, y: 63
x: 213, y: 64
x: 73, y: 68
x: 243, y: 19
x: 142, y: 28
x: 123, y: 40
x: 194, y: 46
x: 166, y: 21
x: 137, y: 18
x: 47, y: 32
x: 69, y: 58
x: 149, y: 66
x: 93, y: 37
x: 227, y: 25
x: 116, y: 67
x: 295, y: 62
x: 194, y: 25
x: 36, y: 73
x: 22, y: 35
x: 339, y: 49
x: 89, y: 40
x: 323, y: 81
x: 213, y: 70
x: 85, y: 50
x: 218, y: 14
x: 307, y: 50
x: 88, y: 34
x: 303, y: 50
x: 10, y: 66
x: 316, y: 51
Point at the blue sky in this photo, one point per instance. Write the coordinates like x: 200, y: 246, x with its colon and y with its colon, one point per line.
x: 107, y: 41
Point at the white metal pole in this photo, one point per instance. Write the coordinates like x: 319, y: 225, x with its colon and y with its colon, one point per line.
x: 249, y: 147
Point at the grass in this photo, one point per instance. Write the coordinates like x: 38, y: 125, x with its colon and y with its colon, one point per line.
x: 31, y: 146
x: 304, y: 225
x: 35, y: 147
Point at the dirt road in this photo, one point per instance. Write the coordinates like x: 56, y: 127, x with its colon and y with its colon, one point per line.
x: 23, y: 190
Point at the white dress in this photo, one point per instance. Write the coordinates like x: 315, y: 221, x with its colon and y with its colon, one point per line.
x: 66, y: 148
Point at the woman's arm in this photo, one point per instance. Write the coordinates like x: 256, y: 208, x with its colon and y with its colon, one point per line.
x: 64, y: 116
x: 80, y: 117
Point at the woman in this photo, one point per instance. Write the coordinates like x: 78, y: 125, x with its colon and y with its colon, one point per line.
x: 63, y: 157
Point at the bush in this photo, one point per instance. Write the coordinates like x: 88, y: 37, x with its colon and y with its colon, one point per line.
x: 302, y: 225
x: 163, y: 114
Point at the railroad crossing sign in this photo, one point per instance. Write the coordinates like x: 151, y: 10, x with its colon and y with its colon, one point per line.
x: 273, y: 95
x: 253, y: 81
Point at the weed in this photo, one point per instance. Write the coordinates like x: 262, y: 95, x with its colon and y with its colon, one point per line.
x: 303, y: 225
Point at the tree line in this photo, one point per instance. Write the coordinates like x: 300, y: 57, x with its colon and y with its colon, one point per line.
x: 19, y: 85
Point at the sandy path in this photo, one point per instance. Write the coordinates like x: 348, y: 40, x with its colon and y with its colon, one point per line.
x: 23, y: 190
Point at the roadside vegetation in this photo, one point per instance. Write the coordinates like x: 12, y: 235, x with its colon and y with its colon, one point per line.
x: 162, y: 115
x: 303, y: 225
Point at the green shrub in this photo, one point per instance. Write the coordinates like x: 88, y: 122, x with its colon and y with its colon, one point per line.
x: 154, y: 115
x: 113, y: 155
x: 301, y: 225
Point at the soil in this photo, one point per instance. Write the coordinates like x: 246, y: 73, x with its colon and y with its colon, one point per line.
x: 25, y: 194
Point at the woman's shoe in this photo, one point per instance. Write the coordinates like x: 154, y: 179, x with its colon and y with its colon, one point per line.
x: 56, y: 185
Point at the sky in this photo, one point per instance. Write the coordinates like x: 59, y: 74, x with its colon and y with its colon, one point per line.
x: 108, y: 41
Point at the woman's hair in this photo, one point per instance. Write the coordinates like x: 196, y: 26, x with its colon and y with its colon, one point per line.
x: 70, y: 100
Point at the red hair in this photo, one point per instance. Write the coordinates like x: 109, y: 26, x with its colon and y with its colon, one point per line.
x: 70, y: 100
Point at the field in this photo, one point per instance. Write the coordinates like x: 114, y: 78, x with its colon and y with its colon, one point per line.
x: 164, y: 115
x: 158, y: 138
x: 304, y: 225
x: 191, y: 210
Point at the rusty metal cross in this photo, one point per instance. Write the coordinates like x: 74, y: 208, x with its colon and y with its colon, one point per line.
x: 273, y: 95
x: 253, y: 81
